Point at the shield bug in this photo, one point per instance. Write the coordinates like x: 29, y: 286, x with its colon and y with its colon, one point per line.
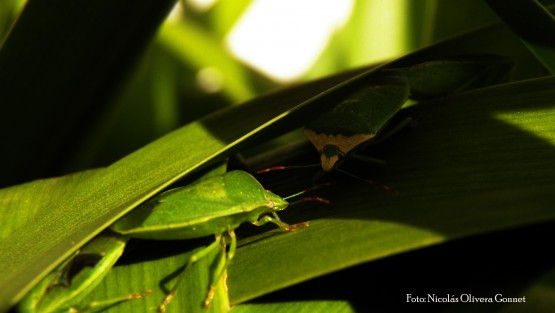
x: 361, y: 117
x: 213, y: 205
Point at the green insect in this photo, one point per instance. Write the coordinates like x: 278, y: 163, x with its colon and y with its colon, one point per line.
x: 213, y: 205
x: 362, y: 116
x: 63, y: 291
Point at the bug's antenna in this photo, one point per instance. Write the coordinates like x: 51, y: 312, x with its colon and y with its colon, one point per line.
x: 317, y: 199
x: 285, y: 167
x: 371, y: 182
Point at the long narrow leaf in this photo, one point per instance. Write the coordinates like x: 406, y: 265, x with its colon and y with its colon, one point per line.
x: 75, y: 214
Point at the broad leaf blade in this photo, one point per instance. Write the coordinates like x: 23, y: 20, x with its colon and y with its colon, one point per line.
x: 74, y: 215
x: 58, y: 69
x: 533, y: 23
x: 465, y: 169
x: 456, y: 176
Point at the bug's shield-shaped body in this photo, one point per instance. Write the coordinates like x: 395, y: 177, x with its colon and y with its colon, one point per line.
x: 357, y: 119
x: 360, y: 117
x: 214, y: 205
x: 432, y: 79
x: 209, y: 206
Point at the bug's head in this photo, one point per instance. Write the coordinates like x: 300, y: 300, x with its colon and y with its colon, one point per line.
x: 334, y: 147
x: 331, y: 156
x: 275, y: 202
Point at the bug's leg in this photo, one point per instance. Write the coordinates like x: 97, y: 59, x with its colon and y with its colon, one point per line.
x: 276, y: 220
x: 75, y: 278
x: 62, y: 272
x: 267, y: 218
x: 96, y: 305
x: 370, y: 182
x: 370, y: 160
x: 285, y: 167
x: 289, y: 227
x: 221, y: 267
x: 195, y: 257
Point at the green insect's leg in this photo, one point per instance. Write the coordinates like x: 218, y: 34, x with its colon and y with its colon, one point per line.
x: 232, y: 245
x: 95, y: 306
x: 67, y: 287
x: 276, y: 220
x: 194, y: 258
x: 269, y: 219
x: 221, y: 267
x: 58, y: 277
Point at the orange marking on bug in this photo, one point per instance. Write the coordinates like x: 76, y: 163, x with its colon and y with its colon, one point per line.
x: 343, y: 145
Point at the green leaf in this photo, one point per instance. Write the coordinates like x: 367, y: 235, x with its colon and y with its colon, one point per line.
x: 58, y: 69
x: 540, y: 296
x: 297, y: 307
x: 456, y: 177
x: 145, y: 276
x: 71, y: 216
x: 193, y: 45
x: 425, y: 164
x: 533, y: 23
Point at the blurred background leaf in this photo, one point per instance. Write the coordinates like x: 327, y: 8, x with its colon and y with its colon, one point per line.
x: 190, y: 69
x: 533, y: 23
